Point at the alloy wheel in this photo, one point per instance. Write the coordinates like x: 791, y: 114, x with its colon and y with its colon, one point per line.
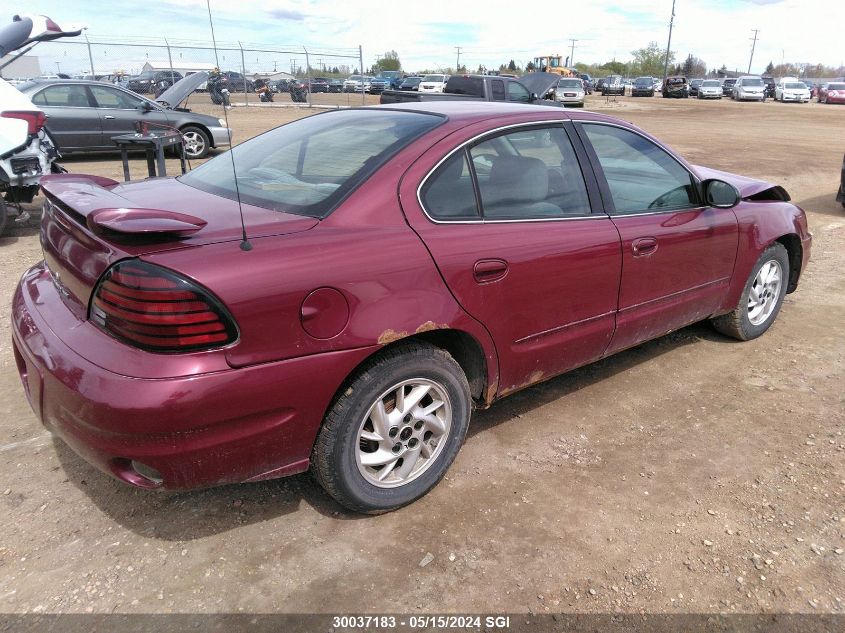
x: 403, y: 433
x: 764, y: 292
x: 194, y: 143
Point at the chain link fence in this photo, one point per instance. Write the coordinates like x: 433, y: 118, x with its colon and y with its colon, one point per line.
x: 321, y: 70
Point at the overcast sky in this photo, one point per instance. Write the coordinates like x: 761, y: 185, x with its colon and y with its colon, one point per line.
x: 425, y: 33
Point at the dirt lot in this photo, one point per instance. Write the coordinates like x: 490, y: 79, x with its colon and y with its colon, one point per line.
x: 692, y: 473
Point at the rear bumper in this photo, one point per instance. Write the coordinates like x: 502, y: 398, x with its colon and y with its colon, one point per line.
x: 200, y: 430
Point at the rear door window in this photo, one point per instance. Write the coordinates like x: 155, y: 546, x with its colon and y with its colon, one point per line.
x: 63, y: 96
x: 528, y: 175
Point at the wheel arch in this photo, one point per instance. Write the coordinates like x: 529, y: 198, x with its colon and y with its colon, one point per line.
x: 463, y: 347
x: 204, y: 128
x: 792, y: 243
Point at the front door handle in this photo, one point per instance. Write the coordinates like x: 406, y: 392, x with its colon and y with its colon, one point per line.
x: 487, y: 270
x: 644, y: 246
x: 108, y: 116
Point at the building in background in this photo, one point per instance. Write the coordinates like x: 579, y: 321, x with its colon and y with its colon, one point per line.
x: 25, y: 67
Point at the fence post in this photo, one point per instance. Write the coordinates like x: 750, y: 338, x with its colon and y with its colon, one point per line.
x: 170, y: 61
x: 243, y: 72
x: 361, y: 68
x: 90, y: 57
x: 308, y: 75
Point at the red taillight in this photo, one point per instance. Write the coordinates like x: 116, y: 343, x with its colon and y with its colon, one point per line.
x: 34, y: 120
x: 156, y: 309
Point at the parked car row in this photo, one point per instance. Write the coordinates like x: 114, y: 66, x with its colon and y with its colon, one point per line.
x: 746, y: 88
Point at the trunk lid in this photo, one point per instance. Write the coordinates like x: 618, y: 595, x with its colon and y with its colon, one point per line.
x: 90, y: 222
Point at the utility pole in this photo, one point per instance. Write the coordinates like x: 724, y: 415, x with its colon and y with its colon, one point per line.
x: 572, y: 53
x: 669, y: 44
x: 458, y: 62
x: 753, y: 45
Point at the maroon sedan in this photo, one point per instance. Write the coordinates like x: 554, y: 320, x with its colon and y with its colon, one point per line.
x: 833, y: 92
x: 402, y: 266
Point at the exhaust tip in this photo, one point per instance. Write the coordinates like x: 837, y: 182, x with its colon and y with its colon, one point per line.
x: 137, y: 473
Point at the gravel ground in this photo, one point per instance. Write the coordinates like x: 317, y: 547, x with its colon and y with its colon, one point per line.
x: 692, y: 473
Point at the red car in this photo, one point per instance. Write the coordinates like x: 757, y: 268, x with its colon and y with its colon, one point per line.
x: 396, y: 268
x: 833, y: 92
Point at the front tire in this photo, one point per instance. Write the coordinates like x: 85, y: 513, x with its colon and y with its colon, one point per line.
x: 761, y: 299
x: 395, y: 430
x: 196, y: 142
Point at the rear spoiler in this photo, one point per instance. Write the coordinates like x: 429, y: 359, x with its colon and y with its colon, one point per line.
x: 91, y: 200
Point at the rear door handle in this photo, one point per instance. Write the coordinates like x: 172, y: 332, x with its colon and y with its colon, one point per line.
x: 644, y: 246
x: 487, y: 270
x: 108, y: 116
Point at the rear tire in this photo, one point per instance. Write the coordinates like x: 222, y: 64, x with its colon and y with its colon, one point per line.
x: 367, y: 425
x: 761, y: 299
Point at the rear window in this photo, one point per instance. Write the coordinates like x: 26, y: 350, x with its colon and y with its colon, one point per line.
x: 433, y: 78
x: 711, y: 83
x: 644, y: 82
x: 795, y: 86
x: 466, y: 86
x: 752, y: 82
x: 309, y: 166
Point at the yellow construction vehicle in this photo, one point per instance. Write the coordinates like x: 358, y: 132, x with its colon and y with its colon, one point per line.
x: 552, y: 64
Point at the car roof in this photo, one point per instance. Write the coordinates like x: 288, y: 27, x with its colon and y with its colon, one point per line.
x: 38, y: 83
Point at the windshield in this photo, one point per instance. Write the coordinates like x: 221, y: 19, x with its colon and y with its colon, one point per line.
x: 570, y: 83
x: 644, y: 82
x: 836, y: 86
x: 711, y: 83
x: 354, y: 78
x: 795, y: 86
x: 752, y: 82
x: 433, y: 78
x: 309, y: 166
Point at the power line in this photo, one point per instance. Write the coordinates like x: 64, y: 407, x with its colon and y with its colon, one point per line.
x: 669, y: 44
x: 753, y: 45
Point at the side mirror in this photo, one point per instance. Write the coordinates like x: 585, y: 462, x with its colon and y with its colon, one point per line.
x: 720, y: 194
x: 145, y: 107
